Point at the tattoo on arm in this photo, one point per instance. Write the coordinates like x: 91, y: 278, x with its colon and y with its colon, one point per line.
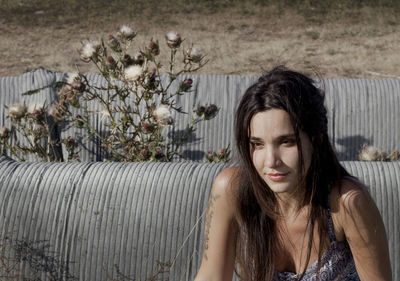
x: 209, y: 216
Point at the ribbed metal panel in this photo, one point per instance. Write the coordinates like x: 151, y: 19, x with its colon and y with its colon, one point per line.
x: 360, y: 111
x: 363, y: 111
x: 97, y: 215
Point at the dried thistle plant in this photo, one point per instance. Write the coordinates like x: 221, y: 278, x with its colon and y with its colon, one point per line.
x: 36, y: 256
x: 371, y: 153
x: 136, y: 107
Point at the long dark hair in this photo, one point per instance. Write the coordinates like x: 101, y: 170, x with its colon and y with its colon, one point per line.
x: 258, y: 210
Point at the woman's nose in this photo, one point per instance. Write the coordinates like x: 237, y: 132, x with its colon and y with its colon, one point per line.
x: 272, y: 158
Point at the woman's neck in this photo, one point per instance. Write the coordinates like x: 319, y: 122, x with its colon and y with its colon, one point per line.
x: 291, y: 205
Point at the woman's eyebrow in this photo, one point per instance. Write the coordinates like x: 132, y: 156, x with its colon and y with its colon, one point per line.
x: 285, y: 136
x: 255, y: 139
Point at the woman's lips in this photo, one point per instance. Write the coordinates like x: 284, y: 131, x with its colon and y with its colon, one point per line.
x: 277, y: 176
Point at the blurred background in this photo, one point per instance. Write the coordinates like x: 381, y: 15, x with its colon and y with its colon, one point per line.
x: 335, y: 38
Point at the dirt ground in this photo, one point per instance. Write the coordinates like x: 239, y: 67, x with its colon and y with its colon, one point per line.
x: 241, y: 40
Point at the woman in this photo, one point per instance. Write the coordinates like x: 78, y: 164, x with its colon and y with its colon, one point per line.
x: 290, y: 211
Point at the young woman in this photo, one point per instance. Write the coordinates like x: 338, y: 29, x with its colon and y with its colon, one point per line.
x: 290, y: 211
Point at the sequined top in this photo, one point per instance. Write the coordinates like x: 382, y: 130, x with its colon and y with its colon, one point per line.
x: 336, y: 264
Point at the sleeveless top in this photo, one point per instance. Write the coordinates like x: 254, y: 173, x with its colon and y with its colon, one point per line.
x: 336, y: 264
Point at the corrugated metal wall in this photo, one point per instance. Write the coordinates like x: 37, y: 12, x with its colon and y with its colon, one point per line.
x: 96, y: 215
x: 360, y: 111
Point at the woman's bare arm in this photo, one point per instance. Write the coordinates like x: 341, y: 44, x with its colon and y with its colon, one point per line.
x: 220, y: 231
x: 365, y: 232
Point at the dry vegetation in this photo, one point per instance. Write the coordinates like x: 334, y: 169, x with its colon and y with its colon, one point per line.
x: 240, y: 37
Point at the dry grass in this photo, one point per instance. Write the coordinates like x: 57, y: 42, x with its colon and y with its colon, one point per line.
x: 240, y: 37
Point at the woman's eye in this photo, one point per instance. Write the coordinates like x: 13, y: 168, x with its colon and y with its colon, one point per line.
x: 256, y: 145
x: 289, y: 141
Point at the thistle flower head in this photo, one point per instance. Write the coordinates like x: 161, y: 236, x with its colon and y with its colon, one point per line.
x: 133, y: 73
x: 186, y: 85
x: 194, y: 54
x: 17, y: 110
x: 210, y: 111
x: 223, y: 154
x: 147, y: 127
x: 110, y: 62
x: 138, y: 58
x: 159, y: 153
x: 79, y: 121
x: 153, y: 71
x: 154, y: 48
x: 72, y: 77
x: 370, y: 153
x: 35, y: 108
x: 58, y: 110
x: 163, y: 115
x: 144, y: 153
x: 74, y: 81
x: 210, y: 156
x: 89, y: 50
x: 4, y: 132
x: 223, y: 151
x: 125, y: 32
x: 173, y: 39
x: 394, y: 156
x: 200, y: 110
x: 37, y: 111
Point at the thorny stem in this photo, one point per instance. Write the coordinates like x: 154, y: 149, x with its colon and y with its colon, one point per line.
x: 14, y: 151
x: 172, y: 60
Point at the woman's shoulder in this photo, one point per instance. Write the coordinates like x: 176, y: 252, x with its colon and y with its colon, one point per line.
x: 227, y: 179
x: 350, y: 193
x: 363, y: 229
x: 226, y: 185
x: 349, y: 198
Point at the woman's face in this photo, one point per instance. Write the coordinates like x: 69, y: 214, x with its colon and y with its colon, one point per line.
x: 274, y: 150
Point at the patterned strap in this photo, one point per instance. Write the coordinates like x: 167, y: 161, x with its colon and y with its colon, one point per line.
x: 331, y: 229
